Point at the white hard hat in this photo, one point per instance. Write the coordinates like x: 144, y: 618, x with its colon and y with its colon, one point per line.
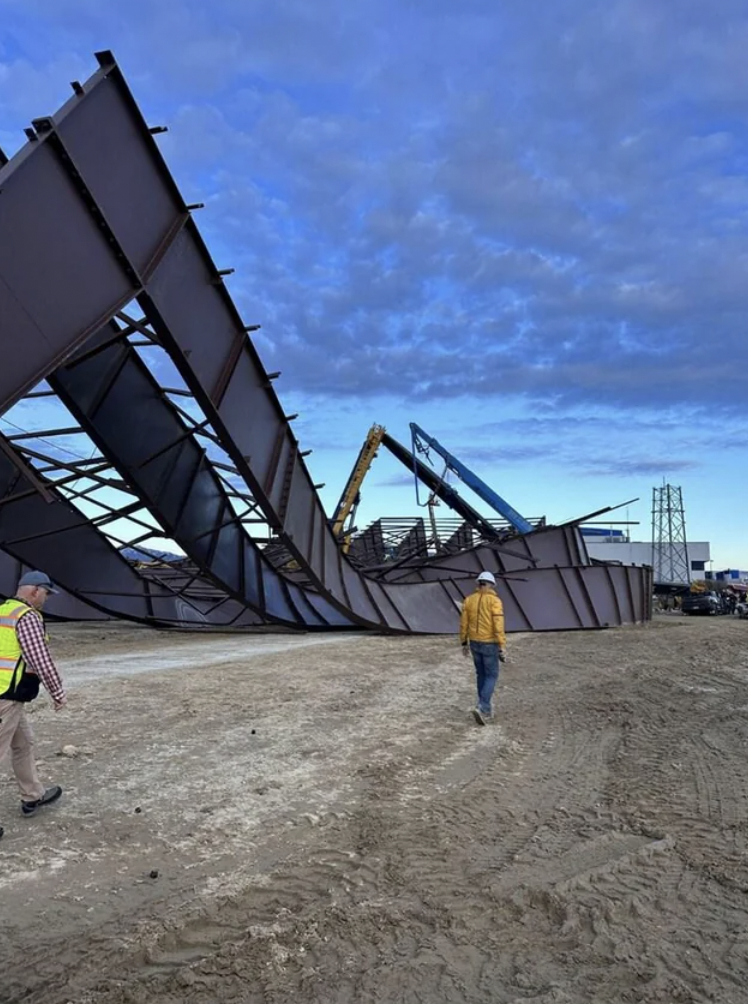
x: 487, y: 577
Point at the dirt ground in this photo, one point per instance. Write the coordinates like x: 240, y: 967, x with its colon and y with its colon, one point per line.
x: 318, y: 819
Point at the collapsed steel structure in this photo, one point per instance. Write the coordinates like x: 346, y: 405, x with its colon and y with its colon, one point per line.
x: 106, y: 286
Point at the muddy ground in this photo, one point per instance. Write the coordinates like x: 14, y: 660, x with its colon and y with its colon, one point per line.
x: 262, y: 820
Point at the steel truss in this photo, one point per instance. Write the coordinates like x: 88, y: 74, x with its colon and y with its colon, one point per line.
x: 101, y: 263
x: 402, y: 536
x: 41, y: 527
x: 670, y: 563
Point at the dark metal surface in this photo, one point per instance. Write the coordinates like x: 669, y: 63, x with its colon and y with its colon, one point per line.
x: 63, y: 606
x: 460, y: 540
x: 367, y: 548
x: 90, y: 219
x: 54, y: 536
x: 548, y: 547
x: 414, y: 546
x: 158, y: 455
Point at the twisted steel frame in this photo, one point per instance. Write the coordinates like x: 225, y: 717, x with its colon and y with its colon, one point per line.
x: 92, y: 221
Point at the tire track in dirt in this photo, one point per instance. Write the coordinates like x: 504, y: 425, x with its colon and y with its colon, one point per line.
x: 689, y: 771
x: 584, y: 849
x: 453, y: 809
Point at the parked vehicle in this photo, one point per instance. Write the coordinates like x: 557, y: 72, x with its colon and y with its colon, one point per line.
x: 742, y: 610
x: 700, y: 603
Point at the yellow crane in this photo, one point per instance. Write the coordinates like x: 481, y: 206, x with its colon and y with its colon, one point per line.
x: 352, y: 492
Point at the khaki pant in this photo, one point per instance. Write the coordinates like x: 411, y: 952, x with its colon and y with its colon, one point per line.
x: 17, y: 737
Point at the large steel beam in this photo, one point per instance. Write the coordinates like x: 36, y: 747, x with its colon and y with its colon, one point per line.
x: 160, y: 459
x: 90, y: 218
x: 45, y: 531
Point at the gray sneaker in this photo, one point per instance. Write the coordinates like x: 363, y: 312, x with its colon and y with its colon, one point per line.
x: 479, y: 716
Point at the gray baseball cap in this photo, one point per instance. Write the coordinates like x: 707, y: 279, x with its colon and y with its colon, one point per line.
x: 38, y: 579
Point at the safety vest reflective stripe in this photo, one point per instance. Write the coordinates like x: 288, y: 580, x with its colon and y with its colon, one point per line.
x: 12, y: 665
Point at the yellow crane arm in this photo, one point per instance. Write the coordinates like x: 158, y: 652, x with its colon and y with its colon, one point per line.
x: 351, y: 491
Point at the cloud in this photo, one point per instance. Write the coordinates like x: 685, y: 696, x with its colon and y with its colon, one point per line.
x: 542, y: 204
x: 395, y: 481
x: 658, y: 467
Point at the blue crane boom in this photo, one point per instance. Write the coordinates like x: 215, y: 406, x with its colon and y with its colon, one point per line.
x: 472, y: 480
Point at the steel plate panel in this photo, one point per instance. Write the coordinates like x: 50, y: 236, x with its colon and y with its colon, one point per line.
x: 58, y: 276
x: 104, y: 136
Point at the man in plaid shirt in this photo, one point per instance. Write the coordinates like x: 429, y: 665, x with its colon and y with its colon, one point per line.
x: 25, y: 662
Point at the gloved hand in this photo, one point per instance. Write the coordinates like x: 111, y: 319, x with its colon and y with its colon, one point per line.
x: 502, y: 655
x: 466, y: 650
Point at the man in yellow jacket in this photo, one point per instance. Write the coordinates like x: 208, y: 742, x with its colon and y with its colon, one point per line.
x: 482, y: 627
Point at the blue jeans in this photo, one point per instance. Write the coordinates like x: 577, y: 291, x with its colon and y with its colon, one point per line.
x: 486, y: 658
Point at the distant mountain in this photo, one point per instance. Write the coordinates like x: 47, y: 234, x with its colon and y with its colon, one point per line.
x: 148, y: 554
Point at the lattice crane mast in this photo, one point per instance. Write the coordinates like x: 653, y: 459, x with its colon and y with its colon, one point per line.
x: 349, y: 500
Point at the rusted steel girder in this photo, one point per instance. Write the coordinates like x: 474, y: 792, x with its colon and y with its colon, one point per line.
x: 90, y: 219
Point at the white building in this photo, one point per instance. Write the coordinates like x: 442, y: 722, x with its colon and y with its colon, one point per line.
x: 635, y: 552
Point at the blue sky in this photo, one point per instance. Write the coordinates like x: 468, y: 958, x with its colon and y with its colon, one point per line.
x: 522, y: 225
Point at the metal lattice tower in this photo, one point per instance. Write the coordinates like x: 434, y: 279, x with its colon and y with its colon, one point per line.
x: 669, y: 546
